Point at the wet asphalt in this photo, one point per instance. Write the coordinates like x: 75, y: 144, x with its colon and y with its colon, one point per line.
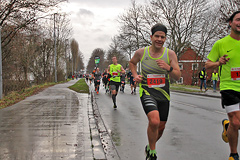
x: 52, y: 125
x: 57, y: 124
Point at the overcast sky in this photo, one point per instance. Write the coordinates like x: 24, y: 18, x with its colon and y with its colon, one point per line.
x: 94, y: 22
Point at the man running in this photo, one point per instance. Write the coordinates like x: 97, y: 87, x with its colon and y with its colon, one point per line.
x: 105, y: 79
x: 115, y: 70
x: 157, y: 63
x: 225, y: 54
x: 97, y: 77
x: 122, y: 77
x: 132, y: 82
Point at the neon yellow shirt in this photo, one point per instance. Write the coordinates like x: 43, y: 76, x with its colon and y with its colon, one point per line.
x: 229, y: 73
x: 114, y: 72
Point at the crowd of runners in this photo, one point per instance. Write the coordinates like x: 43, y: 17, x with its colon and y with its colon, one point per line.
x: 113, y: 79
x: 158, y: 64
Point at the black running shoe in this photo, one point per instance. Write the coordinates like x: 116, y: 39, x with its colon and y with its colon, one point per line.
x: 152, y: 157
x: 147, y: 152
x: 114, y: 106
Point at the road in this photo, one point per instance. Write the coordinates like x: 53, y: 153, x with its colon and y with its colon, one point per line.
x: 193, y: 129
x: 51, y: 125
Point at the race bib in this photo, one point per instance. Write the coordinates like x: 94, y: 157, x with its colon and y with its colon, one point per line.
x: 235, y: 73
x: 114, y: 73
x: 156, y: 80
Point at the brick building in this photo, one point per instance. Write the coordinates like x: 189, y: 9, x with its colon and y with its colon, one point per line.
x: 190, y: 64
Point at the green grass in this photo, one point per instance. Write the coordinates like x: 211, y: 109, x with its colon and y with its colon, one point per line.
x: 17, y: 96
x: 80, y: 86
x: 182, y: 88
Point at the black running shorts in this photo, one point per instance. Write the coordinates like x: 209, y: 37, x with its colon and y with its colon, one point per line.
x: 114, y: 85
x: 150, y: 104
x: 230, y: 97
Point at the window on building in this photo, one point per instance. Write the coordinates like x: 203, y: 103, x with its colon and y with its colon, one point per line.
x: 180, y: 66
x: 195, y: 66
x: 180, y: 81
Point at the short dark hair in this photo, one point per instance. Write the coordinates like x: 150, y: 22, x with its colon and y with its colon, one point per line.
x: 232, y: 16
x: 159, y: 27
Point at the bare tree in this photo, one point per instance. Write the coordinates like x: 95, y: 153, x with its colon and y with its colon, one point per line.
x: 20, y: 13
x: 226, y: 9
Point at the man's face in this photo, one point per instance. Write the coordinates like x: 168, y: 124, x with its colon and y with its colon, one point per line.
x: 114, y: 59
x: 158, y: 39
x: 235, y: 24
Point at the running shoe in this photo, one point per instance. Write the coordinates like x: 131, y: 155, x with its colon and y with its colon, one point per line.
x: 114, y: 106
x: 153, y: 157
x: 235, y: 157
x: 224, y: 133
x: 147, y: 151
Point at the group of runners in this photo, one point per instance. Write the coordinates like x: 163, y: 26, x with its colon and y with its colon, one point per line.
x: 114, y: 76
x: 159, y: 63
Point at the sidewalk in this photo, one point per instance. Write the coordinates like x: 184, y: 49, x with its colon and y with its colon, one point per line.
x: 55, y: 124
x: 208, y: 93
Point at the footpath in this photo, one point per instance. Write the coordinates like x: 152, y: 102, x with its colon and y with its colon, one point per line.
x: 196, y: 91
x: 59, y: 124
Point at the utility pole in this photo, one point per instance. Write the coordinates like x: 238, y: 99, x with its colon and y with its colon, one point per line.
x: 1, y: 82
x: 72, y: 64
x: 66, y: 43
x: 55, y: 50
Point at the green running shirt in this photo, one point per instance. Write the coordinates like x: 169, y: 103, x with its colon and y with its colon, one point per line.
x: 229, y: 73
x: 115, y: 75
x: 155, y: 80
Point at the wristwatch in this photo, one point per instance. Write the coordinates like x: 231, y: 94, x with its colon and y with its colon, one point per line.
x: 170, y: 69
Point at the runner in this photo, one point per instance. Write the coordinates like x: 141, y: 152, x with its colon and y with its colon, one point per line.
x: 87, y: 76
x: 157, y: 63
x: 122, y: 77
x: 90, y: 78
x: 115, y: 70
x: 225, y: 55
x: 132, y: 82
x: 105, y: 79
x: 97, y: 77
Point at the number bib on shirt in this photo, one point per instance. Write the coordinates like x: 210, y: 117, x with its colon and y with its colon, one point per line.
x: 156, y: 80
x: 235, y: 73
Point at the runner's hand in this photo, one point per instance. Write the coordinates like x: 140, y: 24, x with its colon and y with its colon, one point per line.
x: 223, y: 60
x: 162, y: 64
x: 138, y: 79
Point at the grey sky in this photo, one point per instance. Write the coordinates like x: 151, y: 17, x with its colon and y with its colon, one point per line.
x: 94, y: 22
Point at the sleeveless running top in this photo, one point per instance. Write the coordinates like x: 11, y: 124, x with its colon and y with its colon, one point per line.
x: 155, y: 79
x: 229, y: 73
x: 115, y: 75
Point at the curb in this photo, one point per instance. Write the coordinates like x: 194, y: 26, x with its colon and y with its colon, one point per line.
x: 103, y: 147
x: 195, y: 93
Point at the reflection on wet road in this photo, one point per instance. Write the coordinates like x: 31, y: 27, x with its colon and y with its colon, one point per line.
x: 193, y: 128
x: 44, y: 126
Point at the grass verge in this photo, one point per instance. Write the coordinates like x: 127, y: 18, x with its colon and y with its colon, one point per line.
x: 80, y: 86
x: 17, y: 96
x: 183, y: 89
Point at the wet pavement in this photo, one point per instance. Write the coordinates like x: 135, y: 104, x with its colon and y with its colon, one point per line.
x: 52, y: 125
x: 56, y: 124
x: 208, y: 93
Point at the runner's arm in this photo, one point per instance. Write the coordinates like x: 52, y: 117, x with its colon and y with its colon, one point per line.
x: 211, y: 65
x: 133, y: 64
x: 175, y: 73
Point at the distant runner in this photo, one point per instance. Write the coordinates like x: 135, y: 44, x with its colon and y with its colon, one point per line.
x: 115, y: 70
